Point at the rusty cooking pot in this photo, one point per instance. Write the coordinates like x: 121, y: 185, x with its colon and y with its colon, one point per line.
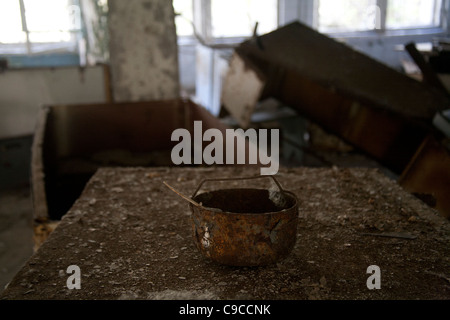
x: 244, y: 227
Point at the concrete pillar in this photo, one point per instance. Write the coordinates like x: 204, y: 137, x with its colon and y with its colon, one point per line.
x: 143, y: 50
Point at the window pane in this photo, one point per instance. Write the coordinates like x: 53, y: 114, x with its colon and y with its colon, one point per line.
x: 412, y: 13
x: 51, y: 20
x: 11, y: 22
x: 184, y: 17
x: 348, y: 15
x: 47, y: 15
x: 49, y: 36
x: 233, y: 18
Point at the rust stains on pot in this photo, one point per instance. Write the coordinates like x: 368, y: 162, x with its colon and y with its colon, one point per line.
x: 245, y: 227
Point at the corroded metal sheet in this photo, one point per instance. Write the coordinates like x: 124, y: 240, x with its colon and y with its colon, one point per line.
x: 374, y: 108
x: 337, y: 67
x: 428, y: 175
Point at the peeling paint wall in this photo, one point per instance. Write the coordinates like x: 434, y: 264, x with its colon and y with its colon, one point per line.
x: 143, y: 50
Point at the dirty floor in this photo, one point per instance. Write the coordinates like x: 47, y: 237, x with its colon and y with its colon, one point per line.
x: 16, y: 233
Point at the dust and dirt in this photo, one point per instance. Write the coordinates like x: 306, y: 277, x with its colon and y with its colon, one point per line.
x: 131, y: 237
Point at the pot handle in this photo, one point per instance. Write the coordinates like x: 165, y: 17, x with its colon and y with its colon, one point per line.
x: 241, y: 178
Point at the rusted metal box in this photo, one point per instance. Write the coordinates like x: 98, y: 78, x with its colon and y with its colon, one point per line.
x: 72, y: 141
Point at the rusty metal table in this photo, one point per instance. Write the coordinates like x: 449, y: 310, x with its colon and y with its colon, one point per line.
x: 130, y: 237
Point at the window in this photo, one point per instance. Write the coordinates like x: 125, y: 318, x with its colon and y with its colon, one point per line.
x: 346, y: 15
x: 183, y: 17
x: 224, y: 19
x: 10, y: 23
x: 30, y: 27
x: 412, y: 14
x: 237, y: 18
x: 364, y: 15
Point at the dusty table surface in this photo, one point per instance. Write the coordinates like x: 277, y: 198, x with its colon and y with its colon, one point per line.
x: 131, y: 238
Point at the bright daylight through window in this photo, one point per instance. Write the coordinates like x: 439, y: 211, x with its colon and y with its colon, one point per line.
x: 237, y: 18
x: 413, y: 13
x: 364, y: 15
x: 25, y: 25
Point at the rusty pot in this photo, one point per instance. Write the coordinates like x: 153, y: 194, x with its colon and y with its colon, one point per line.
x: 244, y: 227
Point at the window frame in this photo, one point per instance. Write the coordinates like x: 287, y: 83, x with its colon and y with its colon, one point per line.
x: 385, y: 32
x: 306, y: 11
x: 39, y: 54
x: 203, y: 25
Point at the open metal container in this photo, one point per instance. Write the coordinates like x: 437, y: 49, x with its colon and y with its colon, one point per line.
x: 244, y: 226
x: 72, y: 141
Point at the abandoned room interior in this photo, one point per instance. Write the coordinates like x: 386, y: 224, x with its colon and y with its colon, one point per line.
x: 225, y: 149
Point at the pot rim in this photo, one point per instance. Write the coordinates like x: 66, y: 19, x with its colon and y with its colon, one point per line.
x: 217, y: 210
